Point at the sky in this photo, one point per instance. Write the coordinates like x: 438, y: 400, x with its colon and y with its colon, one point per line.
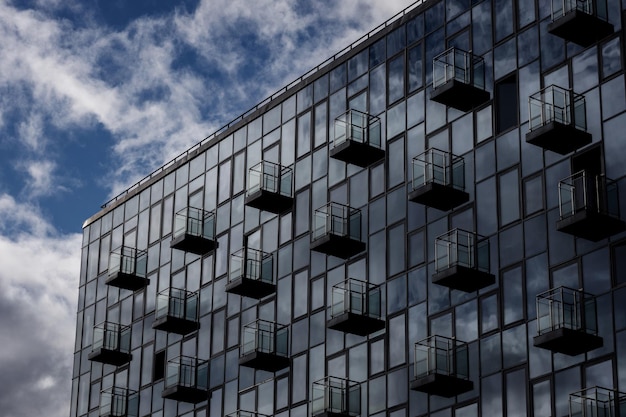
x: 96, y: 94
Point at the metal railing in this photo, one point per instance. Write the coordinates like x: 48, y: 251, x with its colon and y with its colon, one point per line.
x: 175, y: 302
x: 336, y: 395
x: 119, y: 402
x: 456, y: 64
x: 251, y: 264
x: 265, y: 336
x: 111, y: 336
x: 128, y: 261
x: 440, y: 167
x: 556, y: 104
x: 196, y: 148
x: 355, y: 296
x: 270, y: 177
x: 582, y: 191
x: 596, y: 8
x: 242, y: 413
x: 187, y: 371
x: 441, y: 355
x: 463, y: 248
x: 567, y: 308
x: 597, y: 402
x: 196, y: 222
x: 337, y: 219
x: 359, y: 127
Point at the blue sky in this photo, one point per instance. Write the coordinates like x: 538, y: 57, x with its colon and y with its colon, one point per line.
x: 94, y: 95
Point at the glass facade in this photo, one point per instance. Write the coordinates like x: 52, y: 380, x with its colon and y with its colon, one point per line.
x: 515, y: 229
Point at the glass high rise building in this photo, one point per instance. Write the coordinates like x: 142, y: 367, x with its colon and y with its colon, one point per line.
x: 430, y: 223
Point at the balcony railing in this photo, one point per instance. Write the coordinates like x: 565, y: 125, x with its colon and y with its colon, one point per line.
x: 358, y: 139
x: 441, y: 367
x: 242, y: 413
x: 111, y: 344
x: 186, y: 379
x: 336, y: 397
x: 251, y: 273
x: 583, y: 22
x: 265, y: 346
x: 356, y: 308
x: 337, y: 230
x: 119, y: 402
x: 589, y: 206
x: 557, y: 120
x: 462, y: 261
x: 597, y: 402
x: 177, y: 311
x: 438, y: 180
x: 194, y: 231
x: 459, y: 80
x: 567, y: 321
x: 128, y: 268
x: 270, y: 187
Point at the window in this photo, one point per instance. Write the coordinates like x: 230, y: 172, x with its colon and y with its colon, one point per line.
x: 158, y: 371
x: 506, y: 103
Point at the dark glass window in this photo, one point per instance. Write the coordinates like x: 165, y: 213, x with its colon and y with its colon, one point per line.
x: 158, y: 371
x: 506, y: 103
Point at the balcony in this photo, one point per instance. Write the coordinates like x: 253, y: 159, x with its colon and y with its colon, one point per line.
x: 589, y: 207
x: 583, y: 22
x: 462, y: 261
x: 251, y: 273
x: 176, y: 311
x: 186, y: 380
x: 438, y: 180
x: 597, y: 402
x: 119, y: 402
x: 356, y: 308
x: 557, y: 120
x: 127, y: 269
x: 567, y: 322
x: 242, y: 413
x: 265, y: 346
x: 335, y: 397
x: 111, y: 344
x: 459, y: 80
x: 270, y: 188
x: 441, y: 367
x: 357, y: 139
x: 337, y: 231
x: 194, y: 231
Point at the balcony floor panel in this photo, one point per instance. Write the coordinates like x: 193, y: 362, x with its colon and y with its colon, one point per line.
x: 568, y: 341
x: 339, y: 246
x: 111, y: 357
x: 193, y: 244
x: 353, y: 323
x: 459, y: 95
x: 357, y: 153
x: 176, y: 325
x: 558, y: 137
x: 441, y: 197
x: 442, y: 385
x: 463, y: 279
x: 127, y: 281
x: 264, y: 361
x: 269, y: 201
x: 590, y: 225
x: 581, y: 28
x: 185, y: 394
x: 252, y: 288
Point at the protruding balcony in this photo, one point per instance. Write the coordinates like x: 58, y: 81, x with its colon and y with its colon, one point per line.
x: 462, y: 261
x: 265, y: 346
x: 186, y: 380
x: 337, y: 231
x: 567, y: 322
x: 335, y: 397
x: 583, y: 22
x: 356, y: 308
x: 128, y: 268
x: 438, y: 180
x: 357, y: 139
x: 111, y: 344
x: 270, y: 188
x: 176, y: 311
x: 459, y: 80
x: 251, y: 273
x: 557, y: 120
x: 441, y: 367
x: 194, y: 231
x: 597, y: 402
x: 119, y: 402
x: 242, y: 413
x: 589, y: 207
